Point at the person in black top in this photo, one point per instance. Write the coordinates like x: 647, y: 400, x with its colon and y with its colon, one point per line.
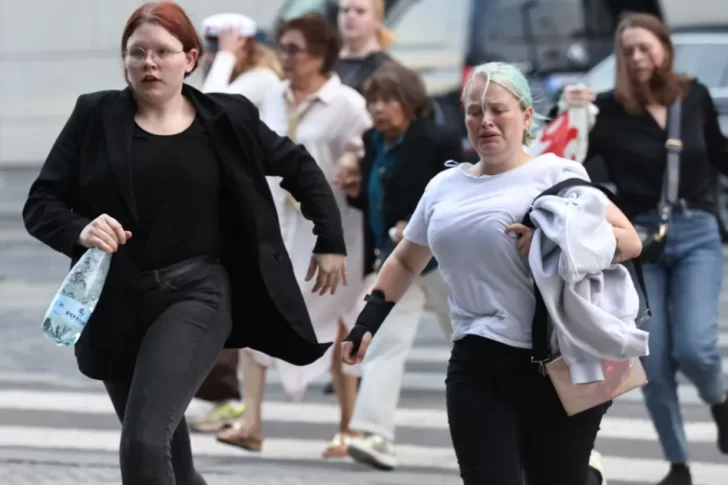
x: 365, y: 41
x: 628, y: 145
x: 173, y: 183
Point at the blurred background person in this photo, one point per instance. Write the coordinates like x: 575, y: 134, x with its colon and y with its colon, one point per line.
x: 627, y: 144
x: 403, y: 151
x: 316, y: 110
x: 233, y: 63
x: 365, y: 41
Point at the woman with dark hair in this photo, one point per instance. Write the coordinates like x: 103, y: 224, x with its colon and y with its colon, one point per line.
x: 172, y: 182
x: 402, y: 153
x: 312, y: 107
x: 632, y: 139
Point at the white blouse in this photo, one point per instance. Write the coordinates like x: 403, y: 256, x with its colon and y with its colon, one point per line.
x: 253, y: 84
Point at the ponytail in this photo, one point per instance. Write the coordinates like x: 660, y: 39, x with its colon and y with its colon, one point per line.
x: 385, y: 37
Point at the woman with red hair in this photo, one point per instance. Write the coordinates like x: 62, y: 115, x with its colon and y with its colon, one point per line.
x: 173, y: 183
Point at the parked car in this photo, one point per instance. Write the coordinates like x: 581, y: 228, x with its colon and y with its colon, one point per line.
x: 703, y: 54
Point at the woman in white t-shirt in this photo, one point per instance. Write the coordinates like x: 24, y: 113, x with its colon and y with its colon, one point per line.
x: 505, y: 418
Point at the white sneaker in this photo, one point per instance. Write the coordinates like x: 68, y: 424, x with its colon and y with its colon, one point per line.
x: 373, y: 450
x: 595, y: 465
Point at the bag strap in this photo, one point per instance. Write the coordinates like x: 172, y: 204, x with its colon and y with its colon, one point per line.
x: 541, y: 352
x: 671, y: 180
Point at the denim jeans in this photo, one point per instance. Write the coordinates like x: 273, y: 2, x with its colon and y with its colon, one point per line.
x: 684, y: 288
x: 185, y: 320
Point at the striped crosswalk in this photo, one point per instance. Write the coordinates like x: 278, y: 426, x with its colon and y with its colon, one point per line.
x: 34, y: 416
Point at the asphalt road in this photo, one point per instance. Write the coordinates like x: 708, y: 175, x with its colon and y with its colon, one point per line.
x: 57, y: 427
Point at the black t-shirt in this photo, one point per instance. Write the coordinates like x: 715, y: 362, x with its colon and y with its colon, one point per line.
x: 176, y: 183
x: 355, y: 72
x: 632, y: 150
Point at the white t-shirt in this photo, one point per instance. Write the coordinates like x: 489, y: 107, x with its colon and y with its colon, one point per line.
x: 462, y: 218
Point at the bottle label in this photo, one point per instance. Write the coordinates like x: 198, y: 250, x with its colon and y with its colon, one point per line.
x: 70, y: 309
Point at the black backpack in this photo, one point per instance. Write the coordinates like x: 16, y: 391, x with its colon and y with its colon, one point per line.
x: 539, y: 328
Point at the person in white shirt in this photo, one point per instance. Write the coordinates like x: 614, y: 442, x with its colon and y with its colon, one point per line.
x: 313, y: 108
x: 505, y: 418
x: 234, y: 62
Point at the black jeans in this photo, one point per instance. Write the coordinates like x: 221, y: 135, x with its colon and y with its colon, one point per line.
x: 185, y: 319
x: 507, y: 423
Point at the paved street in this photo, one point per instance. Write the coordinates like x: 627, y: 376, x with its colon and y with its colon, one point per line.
x: 58, y: 428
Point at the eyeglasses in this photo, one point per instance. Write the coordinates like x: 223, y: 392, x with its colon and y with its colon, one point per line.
x: 289, y: 49
x: 138, y: 55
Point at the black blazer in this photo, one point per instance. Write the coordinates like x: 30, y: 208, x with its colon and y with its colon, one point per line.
x: 422, y: 155
x: 88, y: 173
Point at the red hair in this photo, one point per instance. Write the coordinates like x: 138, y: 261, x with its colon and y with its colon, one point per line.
x: 172, y: 18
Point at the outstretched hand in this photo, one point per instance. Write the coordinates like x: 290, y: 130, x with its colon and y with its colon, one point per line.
x: 331, y: 270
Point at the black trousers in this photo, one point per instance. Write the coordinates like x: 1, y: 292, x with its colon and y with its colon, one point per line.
x: 507, y: 423
x: 185, y: 314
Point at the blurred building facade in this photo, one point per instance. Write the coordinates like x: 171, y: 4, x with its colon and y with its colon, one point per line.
x: 53, y: 50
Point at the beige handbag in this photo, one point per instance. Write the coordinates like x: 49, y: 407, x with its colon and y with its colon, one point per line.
x: 620, y: 377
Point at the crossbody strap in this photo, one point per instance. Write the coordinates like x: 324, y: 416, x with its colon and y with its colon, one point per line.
x: 671, y: 181
x: 541, y: 351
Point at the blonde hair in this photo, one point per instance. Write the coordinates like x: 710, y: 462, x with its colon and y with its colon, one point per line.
x: 256, y: 56
x: 511, y: 79
x: 385, y: 37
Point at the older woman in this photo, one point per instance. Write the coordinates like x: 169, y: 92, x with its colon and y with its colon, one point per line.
x: 684, y: 282
x: 403, y: 152
x: 172, y: 182
x: 315, y: 109
x: 502, y: 411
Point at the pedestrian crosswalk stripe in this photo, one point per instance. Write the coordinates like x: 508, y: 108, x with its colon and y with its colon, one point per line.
x: 435, y: 382
x: 321, y: 413
x: 629, y: 470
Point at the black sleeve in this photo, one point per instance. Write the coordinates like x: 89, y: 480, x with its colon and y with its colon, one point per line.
x: 714, y: 139
x: 449, y: 147
x: 360, y: 201
x: 48, y: 212
x: 595, y: 162
x: 305, y: 181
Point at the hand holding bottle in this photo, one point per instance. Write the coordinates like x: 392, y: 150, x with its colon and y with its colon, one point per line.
x: 104, y: 233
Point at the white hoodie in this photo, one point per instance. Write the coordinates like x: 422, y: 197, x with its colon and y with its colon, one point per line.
x: 592, y: 302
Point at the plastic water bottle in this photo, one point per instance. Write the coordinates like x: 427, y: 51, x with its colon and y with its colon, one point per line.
x: 76, y: 299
